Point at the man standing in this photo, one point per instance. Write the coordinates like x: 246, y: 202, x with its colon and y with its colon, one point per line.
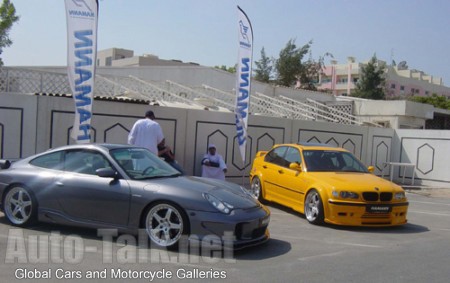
x: 146, y: 133
x: 213, y: 165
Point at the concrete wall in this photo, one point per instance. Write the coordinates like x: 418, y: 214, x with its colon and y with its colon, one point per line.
x: 30, y: 124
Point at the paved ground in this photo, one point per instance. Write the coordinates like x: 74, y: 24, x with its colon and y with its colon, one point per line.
x: 297, y: 252
x: 431, y: 192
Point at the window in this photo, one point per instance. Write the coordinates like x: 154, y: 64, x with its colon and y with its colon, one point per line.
x: 85, y: 162
x: 49, y: 161
x: 276, y: 156
x: 393, y: 86
x: 293, y: 156
x: 108, y: 61
x: 402, y: 87
x: 427, y: 92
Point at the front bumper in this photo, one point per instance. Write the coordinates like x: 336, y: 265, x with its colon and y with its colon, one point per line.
x: 240, y: 229
x: 366, y: 214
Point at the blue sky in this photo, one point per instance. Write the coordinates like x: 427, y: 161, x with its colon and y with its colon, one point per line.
x: 205, y: 31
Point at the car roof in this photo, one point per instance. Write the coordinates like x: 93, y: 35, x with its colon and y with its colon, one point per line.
x: 312, y: 146
x: 101, y: 146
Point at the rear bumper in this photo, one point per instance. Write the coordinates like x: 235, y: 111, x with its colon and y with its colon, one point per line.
x: 366, y: 214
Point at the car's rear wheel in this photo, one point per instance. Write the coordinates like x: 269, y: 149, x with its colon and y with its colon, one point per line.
x: 20, y: 206
x: 165, y: 224
x: 314, y: 207
x: 256, y: 189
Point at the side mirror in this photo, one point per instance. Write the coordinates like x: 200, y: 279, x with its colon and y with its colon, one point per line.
x: 107, y: 173
x: 5, y: 164
x: 371, y: 169
x: 295, y: 166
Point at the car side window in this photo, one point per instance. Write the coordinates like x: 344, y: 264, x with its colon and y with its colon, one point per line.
x: 293, y: 156
x: 50, y: 161
x: 85, y: 162
x: 276, y: 156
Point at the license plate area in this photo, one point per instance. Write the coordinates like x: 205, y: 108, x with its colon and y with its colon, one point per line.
x: 378, y: 208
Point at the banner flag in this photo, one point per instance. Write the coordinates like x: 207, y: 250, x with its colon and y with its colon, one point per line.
x: 243, y: 79
x: 82, y: 19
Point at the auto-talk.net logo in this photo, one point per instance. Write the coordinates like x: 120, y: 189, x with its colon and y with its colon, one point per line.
x: 84, y: 11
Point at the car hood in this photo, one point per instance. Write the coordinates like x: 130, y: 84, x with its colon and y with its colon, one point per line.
x: 194, y: 187
x: 357, y: 182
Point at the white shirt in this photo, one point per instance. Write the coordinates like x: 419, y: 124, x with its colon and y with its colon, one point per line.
x: 214, y: 172
x: 146, y: 133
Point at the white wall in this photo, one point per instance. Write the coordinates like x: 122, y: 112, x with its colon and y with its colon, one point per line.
x: 30, y: 124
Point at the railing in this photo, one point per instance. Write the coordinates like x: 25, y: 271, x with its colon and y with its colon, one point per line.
x: 21, y: 80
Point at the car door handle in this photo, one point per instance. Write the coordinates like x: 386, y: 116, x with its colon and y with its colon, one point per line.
x: 281, y: 171
x: 264, y: 166
x: 59, y: 184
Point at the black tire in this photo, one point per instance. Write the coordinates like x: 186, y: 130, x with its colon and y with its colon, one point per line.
x: 20, y: 206
x: 257, y: 190
x: 165, y: 224
x: 314, y: 208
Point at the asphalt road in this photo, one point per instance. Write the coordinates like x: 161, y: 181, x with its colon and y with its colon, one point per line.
x: 297, y: 252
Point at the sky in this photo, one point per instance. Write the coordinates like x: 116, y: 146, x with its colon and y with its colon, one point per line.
x: 206, y: 31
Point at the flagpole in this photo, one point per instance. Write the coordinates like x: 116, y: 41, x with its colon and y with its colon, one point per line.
x: 243, y: 83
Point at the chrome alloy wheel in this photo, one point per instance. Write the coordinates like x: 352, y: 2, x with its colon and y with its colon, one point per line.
x: 313, y: 207
x: 164, y: 224
x: 255, y: 188
x: 18, y: 206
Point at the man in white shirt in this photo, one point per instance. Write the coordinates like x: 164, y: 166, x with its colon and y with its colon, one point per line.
x: 146, y: 133
x: 213, y: 165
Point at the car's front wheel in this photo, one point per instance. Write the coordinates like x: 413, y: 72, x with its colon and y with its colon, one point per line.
x: 165, y: 224
x: 314, y: 207
x: 20, y: 206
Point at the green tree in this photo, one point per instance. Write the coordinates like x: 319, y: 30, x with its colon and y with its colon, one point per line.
x: 7, y: 19
x: 438, y: 101
x: 263, y: 71
x: 227, y: 69
x: 290, y: 69
x: 289, y: 65
x: 371, y: 83
x: 309, y: 77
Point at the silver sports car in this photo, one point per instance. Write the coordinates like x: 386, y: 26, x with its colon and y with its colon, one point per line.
x: 127, y: 188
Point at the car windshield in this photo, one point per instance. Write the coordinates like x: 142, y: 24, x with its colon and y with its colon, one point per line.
x: 140, y: 164
x: 332, y: 161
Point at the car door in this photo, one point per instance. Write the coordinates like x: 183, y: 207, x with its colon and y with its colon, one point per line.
x: 84, y: 196
x: 292, y: 186
x: 272, y: 162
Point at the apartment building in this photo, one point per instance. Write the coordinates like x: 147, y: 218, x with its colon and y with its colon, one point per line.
x: 402, y: 82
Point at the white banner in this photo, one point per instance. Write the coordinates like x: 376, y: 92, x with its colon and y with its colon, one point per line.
x: 82, y: 18
x: 243, y: 79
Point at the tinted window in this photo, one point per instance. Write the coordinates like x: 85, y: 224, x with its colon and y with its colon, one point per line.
x: 276, y: 156
x: 50, y: 161
x: 140, y: 164
x: 293, y: 156
x: 85, y: 162
x: 332, y: 161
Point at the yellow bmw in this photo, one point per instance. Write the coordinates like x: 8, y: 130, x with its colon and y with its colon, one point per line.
x: 327, y: 184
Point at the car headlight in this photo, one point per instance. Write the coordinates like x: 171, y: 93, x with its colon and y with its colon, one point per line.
x: 345, y: 194
x: 221, y: 206
x: 399, y: 196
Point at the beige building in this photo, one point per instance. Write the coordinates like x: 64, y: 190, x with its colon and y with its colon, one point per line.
x: 341, y: 79
x: 118, y: 57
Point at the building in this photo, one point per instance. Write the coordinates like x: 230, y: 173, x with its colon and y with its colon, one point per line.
x: 118, y: 57
x: 401, y: 82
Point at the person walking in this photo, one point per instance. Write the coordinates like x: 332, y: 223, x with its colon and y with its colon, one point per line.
x: 213, y: 165
x: 146, y: 133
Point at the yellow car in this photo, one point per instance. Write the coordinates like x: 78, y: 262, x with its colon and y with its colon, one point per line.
x: 327, y: 184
